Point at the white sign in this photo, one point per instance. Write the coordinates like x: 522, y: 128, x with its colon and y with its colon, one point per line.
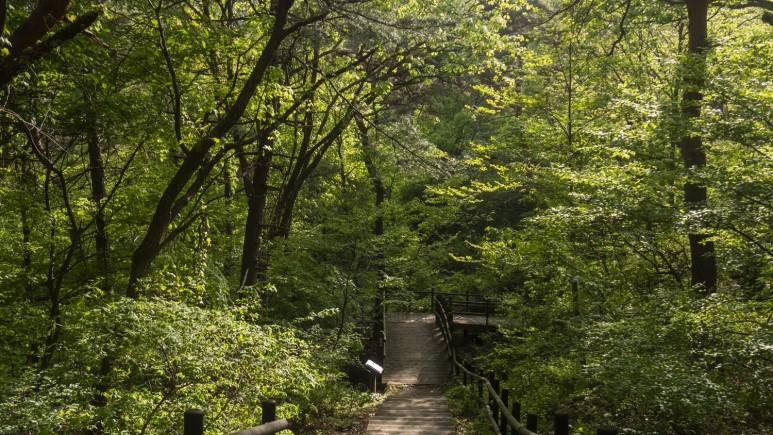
x: 374, y: 367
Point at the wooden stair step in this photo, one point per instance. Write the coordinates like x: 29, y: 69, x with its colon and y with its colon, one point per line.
x: 415, y: 351
x: 413, y: 410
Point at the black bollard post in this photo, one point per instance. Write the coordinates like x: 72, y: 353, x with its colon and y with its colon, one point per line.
x: 606, y: 430
x: 560, y: 423
x: 269, y: 411
x: 531, y: 422
x: 193, y: 422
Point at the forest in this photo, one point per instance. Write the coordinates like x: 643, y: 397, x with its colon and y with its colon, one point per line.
x: 200, y: 201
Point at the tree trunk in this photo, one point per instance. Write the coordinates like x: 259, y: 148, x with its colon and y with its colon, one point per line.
x: 702, y: 259
x: 23, y: 46
x: 43, y: 18
x: 257, y: 193
x: 380, y: 192
x: 228, y: 226
x: 151, y: 244
x: 375, y: 177
x: 98, y: 193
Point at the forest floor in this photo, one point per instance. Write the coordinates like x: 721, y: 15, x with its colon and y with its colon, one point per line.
x: 358, y: 427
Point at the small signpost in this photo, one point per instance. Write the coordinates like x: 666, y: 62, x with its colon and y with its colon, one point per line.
x: 376, y: 370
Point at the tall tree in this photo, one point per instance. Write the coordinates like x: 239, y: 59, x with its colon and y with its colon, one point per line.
x: 198, y: 162
x: 703, y: 264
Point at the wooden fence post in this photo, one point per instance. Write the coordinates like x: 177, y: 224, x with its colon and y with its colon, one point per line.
x: 433, y: 306
x: 531, y: 422
x: 493, y: 403
x: 606, y: 430
x: 505, y: 396
x: 560, y: 423
x: 516, y: 411
x: 269, y: 411
x: 193, y: 422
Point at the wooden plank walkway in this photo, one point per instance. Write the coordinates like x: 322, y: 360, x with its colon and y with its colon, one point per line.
x: 413, y: 410
x: 415, y: 351
x: 416, y: 356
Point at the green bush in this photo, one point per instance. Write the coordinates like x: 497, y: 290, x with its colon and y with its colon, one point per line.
x: 136, y: 366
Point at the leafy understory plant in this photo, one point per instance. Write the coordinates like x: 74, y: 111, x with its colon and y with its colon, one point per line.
x: 135, y: 366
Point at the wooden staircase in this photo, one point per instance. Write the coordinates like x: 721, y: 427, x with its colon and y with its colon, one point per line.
x: 415, y: 355
x: 413, y: 410
x: 415, y: 351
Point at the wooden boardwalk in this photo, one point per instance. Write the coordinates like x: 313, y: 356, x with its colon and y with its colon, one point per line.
x: 413, y: 410
x: 415, y: 356
x: 415, y: 351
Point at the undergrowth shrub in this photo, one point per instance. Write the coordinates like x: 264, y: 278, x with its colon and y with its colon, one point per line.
x: 135, y: 366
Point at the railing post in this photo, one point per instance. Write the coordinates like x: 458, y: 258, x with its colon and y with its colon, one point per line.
x: 560, y: 423
x: 516, y: 411
x: 606, y: 430
x: 435, y: 311
x: 454, y: 369
x: 505, y: 396
x: 269, y: 411
x: 491, y: 402
x: 193, y: 422
x: 531, y: 422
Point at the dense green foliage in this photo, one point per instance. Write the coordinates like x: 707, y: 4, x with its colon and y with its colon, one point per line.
x: 200, y: 200
x: 166, y: 357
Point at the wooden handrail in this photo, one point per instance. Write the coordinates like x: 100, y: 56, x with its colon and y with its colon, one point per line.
x: 444, y: 320
x: 266, y: 428
x: 511, y: 421
x: 193, y: 422
x: 445, y: 327
x: 383, y: 326
x: 480, y: 305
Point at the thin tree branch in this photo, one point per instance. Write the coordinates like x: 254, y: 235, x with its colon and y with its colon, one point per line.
x: 621, y: 26
x: 176, y: 95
